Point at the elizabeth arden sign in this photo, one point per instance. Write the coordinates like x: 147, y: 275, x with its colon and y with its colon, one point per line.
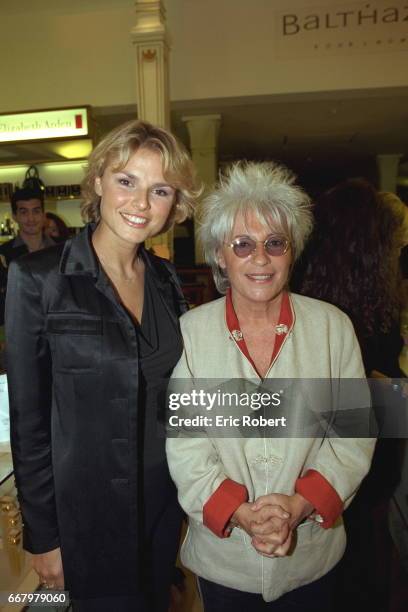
x: 44, y: 125
x: 335, y: 28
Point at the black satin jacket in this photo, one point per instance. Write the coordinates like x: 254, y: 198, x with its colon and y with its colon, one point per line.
x: 72, y: 365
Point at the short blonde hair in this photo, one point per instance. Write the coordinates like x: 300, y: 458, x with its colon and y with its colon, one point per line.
x: 120, y: 144
x: 265, y: 189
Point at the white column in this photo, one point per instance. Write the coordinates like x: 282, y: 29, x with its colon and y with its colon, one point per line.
x: 150, y: 40
x: 387, y: 165
x: 203, y: 131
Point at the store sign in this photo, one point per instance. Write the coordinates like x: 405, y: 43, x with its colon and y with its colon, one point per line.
x: 363, y: 27
x: 44, y: 125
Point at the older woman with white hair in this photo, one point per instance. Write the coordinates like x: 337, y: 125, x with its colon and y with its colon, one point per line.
x: 265, y: 525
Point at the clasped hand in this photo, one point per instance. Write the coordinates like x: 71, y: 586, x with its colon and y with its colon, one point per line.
x: 271, y: 520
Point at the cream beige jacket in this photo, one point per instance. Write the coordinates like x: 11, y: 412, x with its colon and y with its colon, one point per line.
x: 321, y: 344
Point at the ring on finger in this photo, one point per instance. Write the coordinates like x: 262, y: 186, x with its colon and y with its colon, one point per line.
x: 48, y: 586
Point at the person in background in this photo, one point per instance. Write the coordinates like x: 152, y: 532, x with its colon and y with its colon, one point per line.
x: 27, y: 207
x: 56, y: 228
x: 92, y: 333
x: 265, y: 528
x: 352, y: 262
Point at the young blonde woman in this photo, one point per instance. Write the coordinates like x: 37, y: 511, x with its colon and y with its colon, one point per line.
x: 92, y: 331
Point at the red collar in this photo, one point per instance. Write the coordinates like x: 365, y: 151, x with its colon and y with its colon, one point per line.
x: 284, y: 326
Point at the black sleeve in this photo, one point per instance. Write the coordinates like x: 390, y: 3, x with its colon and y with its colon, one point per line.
x: 29, y: 376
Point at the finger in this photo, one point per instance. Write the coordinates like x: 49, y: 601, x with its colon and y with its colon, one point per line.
x: 263, y: 506
x: 265, y: 500
x: 264, y: 548
x: 60, y: 584
x: 283, y: 549
x: 274, y: 539
x: 269, y: 527
x: 54, y: 581
x: 269, y: 549
x: 271, y: 511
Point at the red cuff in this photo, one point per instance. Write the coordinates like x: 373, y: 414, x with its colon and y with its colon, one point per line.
x: 318, y: 491
x: 222, y: 504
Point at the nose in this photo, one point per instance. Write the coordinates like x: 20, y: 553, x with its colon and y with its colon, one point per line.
x: 141, y: 199
x: 260, y: 256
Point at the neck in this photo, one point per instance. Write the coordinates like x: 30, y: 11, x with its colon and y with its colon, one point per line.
x: 257, y: 313
x: 34, y: 243
x: 118, y: 255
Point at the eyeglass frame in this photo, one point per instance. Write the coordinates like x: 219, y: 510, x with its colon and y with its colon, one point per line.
x: 233, y: 243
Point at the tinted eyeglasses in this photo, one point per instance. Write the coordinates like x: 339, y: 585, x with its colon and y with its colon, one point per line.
x: 275, y: 246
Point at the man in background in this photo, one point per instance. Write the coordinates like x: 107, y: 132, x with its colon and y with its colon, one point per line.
x: 27, y: 207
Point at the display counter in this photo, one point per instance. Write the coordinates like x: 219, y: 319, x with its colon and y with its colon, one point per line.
x: 16, y: 574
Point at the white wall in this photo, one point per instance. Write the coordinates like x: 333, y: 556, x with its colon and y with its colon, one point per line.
x: 227, y: 48
x: 56, y: 53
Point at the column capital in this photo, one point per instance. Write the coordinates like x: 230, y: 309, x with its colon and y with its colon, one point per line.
x: 150, y: 18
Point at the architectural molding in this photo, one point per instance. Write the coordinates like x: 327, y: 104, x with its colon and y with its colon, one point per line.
x: 149, y: 37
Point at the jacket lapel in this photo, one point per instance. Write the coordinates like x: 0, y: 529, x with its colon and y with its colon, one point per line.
x: 79, y: 259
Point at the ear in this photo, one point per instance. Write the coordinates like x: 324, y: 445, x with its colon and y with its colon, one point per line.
x: 98, y: 186
x: 220, y: 259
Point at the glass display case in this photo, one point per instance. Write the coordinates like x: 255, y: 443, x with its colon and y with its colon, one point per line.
x: 16, y: 575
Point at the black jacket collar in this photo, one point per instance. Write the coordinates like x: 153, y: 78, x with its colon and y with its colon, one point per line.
x: 79, y: 258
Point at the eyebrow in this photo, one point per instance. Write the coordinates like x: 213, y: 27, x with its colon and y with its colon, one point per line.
x: 136, y: 178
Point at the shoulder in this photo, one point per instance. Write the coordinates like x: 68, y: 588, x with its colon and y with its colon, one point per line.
x: 39, y: 263
x: 316, y: 312
x: 6, y: 246
x: 204, y: 317
x: 11, y: 250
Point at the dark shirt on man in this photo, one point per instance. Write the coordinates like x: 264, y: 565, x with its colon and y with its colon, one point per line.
x: 16, y: 247
x: 12, y: 249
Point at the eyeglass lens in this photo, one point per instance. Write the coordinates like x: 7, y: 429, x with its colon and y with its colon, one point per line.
x: 274, y: 246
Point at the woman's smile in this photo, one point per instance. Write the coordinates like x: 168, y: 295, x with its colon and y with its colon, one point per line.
x: 260, y: 278
x: 134, y: 220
